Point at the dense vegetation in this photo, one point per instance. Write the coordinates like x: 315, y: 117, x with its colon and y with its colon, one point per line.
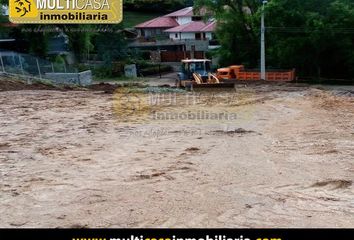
x: 314, y: 36
x: 83, y: 39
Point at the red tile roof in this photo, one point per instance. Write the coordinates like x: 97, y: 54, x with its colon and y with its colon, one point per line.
x: 185, y: 12
x: 188, y: 12
x: 169, y: 20
x: 210, y: 27
x: 198, y: 26
x: 160, y: 22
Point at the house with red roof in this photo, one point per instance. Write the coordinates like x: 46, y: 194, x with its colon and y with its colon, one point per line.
x: 186, y: 15
x: 195, y: 30
x: 180, y: 25
x: 156, y: 26
x: 178, y: 35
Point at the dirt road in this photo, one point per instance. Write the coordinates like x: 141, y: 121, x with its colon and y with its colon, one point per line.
x: 66, y: 161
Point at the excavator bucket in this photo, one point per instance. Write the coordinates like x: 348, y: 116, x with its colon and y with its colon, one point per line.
x: 212, y: 82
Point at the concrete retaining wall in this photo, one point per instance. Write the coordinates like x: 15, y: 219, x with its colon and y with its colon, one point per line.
x: 82, y: 78
x: 85, y: 78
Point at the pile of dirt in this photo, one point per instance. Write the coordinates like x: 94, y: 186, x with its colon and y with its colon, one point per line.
x: 105, y: 87
x: 110, y: 88
x: 13, y: 84
x: 8, y: 83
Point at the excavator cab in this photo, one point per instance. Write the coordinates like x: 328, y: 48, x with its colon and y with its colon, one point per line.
x: 191, y: 66
x: 197, y: 73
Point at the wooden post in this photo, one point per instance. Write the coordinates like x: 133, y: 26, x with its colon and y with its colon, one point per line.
x: 22, y: 70
x: 39, y: 69
x: 13, y: 58
x: 2, y: 63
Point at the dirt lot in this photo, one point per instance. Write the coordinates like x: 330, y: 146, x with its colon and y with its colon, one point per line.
x: 67, y: 161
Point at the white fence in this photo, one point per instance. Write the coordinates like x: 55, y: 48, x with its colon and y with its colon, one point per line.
x: 31, y: 67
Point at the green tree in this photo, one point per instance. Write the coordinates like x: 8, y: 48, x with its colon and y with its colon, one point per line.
x: 111, y: 46
x: 38, y: 42
x: 80, y: 39
x: 314, y: 36
x: 237, y: 29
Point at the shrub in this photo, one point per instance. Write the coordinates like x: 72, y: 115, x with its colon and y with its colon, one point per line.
x: 102, y: 72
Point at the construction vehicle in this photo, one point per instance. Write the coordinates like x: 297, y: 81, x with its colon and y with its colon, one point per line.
x: 191, y: 66
x: 196, y: 73
x: 238, y: 72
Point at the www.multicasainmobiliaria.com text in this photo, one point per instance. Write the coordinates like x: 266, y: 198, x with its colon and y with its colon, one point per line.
x: 207, y: 237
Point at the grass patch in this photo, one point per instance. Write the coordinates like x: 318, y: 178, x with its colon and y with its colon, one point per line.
x: 119, y: 79
x: 156, y: 90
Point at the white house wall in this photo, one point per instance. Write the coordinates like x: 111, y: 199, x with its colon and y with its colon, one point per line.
x: 183, y: 20
x: 175, y: 36
x: 187, y: 36
x: 209, y: 36
x: 151, y: 32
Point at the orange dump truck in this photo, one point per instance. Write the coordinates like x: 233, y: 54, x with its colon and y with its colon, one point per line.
x: 238, y: 72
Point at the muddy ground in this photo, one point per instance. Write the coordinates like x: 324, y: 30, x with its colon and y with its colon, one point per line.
x: 68, y: 160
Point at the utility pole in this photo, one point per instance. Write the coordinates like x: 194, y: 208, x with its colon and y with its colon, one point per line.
x: 263, y: 64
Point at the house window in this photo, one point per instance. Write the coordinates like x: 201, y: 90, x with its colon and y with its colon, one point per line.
x: 176, y: 35
x: 196, y: 18
x: 198, y: 36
